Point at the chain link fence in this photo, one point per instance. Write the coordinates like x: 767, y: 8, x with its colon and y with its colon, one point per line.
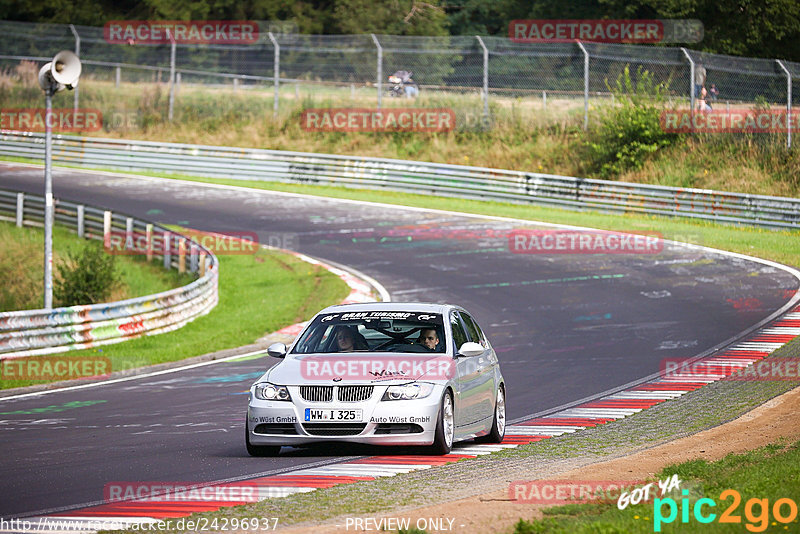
x: 483, y: 71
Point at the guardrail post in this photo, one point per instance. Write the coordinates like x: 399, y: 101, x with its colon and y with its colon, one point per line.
x: 276, y: 73
x: 166, y: 243
x: 691, y: 84
x: 193, y: 258
x: 585, y: 85
x: 171, y: 74
x: 20, y: 208
x: 202, y: 264
x: 107, y: 229
x: 117, y: 75
x: 129, y: 233
x: 81, y: 221
x: 77, y: 53
x: 379, y: 68
x: 148, y: 236
x: 485, y: 77
x: 181, y: 255
x: 788, y: 103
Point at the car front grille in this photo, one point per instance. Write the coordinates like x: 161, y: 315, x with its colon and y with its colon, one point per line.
x: 355, y: 393
x: 343, y: 393
x: 335, y: 429
x: 316, y: 393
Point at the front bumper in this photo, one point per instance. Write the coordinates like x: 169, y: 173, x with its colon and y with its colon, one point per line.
x: 400, y: 422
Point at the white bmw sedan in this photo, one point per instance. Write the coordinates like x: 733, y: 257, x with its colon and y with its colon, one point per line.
x: 382, y: 374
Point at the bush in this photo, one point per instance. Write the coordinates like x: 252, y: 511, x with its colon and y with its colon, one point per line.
x: 630, y: 132
x: 87, y: 276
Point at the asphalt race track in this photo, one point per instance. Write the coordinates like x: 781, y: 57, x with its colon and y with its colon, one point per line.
x: 566, y: 326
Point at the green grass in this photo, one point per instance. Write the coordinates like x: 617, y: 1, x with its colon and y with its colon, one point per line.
x: 21, y: 260
x: 258, y: 294
x: 768, y: 473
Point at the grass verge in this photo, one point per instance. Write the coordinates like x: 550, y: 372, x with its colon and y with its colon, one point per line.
x: 258, y: 294
x: 760, y: 475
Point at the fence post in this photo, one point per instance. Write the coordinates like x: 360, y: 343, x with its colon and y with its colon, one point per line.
x: 20, y: 208
x: 166, y: 242
x: 276, y: 72
x: 107, y: 229
x: 171, y: 73
x: 788, y: 104
x: 129, y: 233
x: 193, y: 258
x: 117, y: 75
x: 544, y: 100
x: 81, y: 221
x: 691, y: 84
x: 148, y: 237
x: 485, y: 77
x: 201, y: 264
x: 380, y: 68
x: 77, y: 53
x: 181, y: 255
x: 585, y: 85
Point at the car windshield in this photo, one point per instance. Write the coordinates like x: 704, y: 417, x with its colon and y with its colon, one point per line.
x: 373, y: 331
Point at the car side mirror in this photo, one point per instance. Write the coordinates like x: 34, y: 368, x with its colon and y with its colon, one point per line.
x: 470, y: 349
x: 277, y: 350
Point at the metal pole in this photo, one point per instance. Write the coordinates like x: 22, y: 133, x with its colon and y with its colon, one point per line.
x: 276, y: 72
x: 380, y: 68
x: 77, y: 53
x: 81, y: 220
x: 117, y: 76
x: 20, y: 209
x: 171, y: 74
x: 788, y: 103
x: 485, y: 77
x: 48, y: 203
x: 691, y: 83
x: 585, y: 85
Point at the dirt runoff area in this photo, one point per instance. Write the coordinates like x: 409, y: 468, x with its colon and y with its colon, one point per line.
x: 497, y: 512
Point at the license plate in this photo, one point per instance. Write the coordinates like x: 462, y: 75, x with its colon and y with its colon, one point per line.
x: 315, y: 414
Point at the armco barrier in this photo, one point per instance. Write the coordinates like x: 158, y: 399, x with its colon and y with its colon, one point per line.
x: 419, y: 177
x: 32, y: 332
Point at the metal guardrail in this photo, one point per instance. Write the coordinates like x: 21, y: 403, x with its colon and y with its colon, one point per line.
x: 33, y: 332
x: 420, y: 177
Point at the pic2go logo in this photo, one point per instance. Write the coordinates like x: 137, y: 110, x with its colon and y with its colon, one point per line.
x: 756, y: 511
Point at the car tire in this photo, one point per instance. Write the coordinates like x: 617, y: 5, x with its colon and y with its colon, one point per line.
x: 445, y: 427
x: 498, y: 431
x: 259, y: 450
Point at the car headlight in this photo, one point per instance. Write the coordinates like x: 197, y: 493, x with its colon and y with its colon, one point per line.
x: 415, y: 390
x: 271, y: 392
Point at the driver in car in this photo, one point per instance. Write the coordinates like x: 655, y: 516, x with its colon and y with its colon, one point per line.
x: 428, y: 338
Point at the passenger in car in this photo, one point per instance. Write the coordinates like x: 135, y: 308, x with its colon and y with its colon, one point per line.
x: 348, y: 339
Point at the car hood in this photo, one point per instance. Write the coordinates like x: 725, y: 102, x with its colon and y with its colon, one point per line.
x: 361, y: 368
